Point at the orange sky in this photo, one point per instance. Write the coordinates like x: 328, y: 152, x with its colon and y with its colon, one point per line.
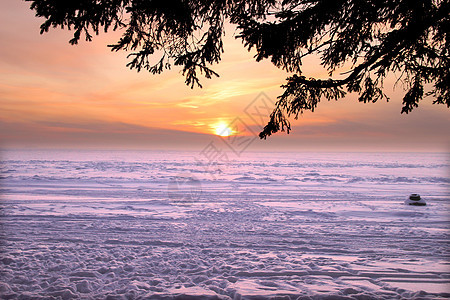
x: 53, y: 94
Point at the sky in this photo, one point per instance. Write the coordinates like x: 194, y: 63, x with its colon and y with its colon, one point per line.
x: 55, y: 95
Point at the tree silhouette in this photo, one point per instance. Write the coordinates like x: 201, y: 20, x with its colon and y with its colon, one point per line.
x: 367, y: 38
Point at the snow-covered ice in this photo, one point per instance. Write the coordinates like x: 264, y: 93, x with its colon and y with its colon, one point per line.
x: 158, y: 225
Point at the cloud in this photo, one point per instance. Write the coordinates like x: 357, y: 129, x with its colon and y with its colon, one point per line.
x: 97, y: 135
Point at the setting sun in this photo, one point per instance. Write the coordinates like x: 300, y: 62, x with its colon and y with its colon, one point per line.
x: 222, y: 129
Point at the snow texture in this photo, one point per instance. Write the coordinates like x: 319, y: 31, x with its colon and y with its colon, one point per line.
x: 154, y: 225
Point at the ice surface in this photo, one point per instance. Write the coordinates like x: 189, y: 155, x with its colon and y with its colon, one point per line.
x: 156, y: 225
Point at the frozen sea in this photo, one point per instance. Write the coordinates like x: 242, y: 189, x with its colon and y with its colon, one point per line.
x: 168, y: 225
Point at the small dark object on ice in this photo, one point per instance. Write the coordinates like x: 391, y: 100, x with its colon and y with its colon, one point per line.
x: 414, y: 199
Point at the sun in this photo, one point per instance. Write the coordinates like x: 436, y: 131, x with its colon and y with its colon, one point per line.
x: 222, y: 129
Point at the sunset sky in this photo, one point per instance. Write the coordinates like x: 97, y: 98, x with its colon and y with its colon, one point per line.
x: 53, y: 94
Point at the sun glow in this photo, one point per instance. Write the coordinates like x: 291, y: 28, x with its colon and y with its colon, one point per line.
x: 222, y: 129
